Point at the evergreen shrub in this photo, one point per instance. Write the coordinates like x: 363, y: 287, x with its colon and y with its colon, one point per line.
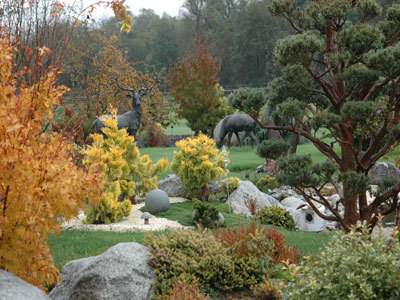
x: 205, y: 214
x: 266, y: 183
x: 352, y: 266
x: 276, y: 216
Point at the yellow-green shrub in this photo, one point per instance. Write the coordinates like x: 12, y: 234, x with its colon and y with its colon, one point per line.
x: 127, y: 173
x: 197, y: 163
x: 180, y: 255
x: 266, y: 183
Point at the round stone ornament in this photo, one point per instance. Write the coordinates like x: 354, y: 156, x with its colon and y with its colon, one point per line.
x: 156, y: 201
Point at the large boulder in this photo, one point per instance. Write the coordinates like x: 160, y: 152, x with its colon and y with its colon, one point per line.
x: 13, y: 287
x: 156, y: 201
x: 172, y: 185
x: 122, y: 272
x: 383, y: 169
x: 247, y: 190
x: 292, y: 202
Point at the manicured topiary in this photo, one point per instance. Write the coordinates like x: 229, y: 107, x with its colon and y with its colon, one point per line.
x: 352, y: 266
x: 276, y: 216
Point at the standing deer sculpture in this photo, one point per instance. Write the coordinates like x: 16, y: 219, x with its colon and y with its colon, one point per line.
x: 131, y: 119
x: 233, y: 124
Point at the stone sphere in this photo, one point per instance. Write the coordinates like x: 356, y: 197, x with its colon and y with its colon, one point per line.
x: 156, y: 201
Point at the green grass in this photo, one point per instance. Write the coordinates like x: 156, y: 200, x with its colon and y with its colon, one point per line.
x: 180, y: 128
x: 74, y: 244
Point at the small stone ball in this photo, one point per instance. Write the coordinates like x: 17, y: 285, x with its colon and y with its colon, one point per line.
x: 156, y: 201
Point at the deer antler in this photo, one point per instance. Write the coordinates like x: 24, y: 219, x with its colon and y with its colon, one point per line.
x: 146, y: 89
x: 122, y: 88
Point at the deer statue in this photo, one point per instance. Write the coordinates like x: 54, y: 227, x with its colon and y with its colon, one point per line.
x: 131, y: 119
x: 233, y: 124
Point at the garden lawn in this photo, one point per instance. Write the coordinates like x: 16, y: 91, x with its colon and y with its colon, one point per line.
x: 74, y: 244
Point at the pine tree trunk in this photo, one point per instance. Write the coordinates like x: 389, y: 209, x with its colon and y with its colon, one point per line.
x: 294, y: 142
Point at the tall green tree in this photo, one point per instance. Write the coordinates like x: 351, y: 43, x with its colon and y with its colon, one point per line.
x: 341, y: 76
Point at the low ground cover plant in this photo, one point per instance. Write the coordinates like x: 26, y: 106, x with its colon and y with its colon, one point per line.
x: 225, y: 260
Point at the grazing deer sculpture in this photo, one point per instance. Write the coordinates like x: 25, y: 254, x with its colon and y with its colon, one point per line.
x: 233, y: 124
x: 131, y: 119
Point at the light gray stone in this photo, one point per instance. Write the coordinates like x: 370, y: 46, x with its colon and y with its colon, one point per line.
x: 383, y: 169
x: 122, y: 272
x: 292, y: 202
x: 248, y: 190
x: 283, y: 192
x: 172, y: 185
x: 14, y: 288
x: 156, y: 201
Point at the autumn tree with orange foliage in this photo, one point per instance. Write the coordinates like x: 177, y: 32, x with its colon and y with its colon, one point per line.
x: 102, y: 89
x: 194, y: 85
x: 40, y: 186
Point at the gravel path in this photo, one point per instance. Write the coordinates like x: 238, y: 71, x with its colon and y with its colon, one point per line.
x: 131, y: 223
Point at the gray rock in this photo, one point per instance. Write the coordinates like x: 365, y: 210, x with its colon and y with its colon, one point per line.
x: 156, y: 201
x: 248, y: 190
x: 213, y: 187
x: 383, y: 169
x: 14, y: 288
x: 292, y: 202
x: 284, y: 192
x: 333, y: 199
x: 221, y: 220
x: 122, y: 272
x: 172, y: 185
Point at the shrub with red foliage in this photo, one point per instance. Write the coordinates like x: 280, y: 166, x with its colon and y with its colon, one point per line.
x: 184, y: 291
x: 255, y: 240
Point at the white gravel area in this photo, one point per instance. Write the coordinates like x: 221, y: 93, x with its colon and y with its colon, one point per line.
x: 131, y: 223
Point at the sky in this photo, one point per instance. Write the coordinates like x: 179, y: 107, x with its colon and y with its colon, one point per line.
x: 170, y: 7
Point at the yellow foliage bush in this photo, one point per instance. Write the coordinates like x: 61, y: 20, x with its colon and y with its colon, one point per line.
x: 128, y: 173
x: 197, y: 163
x: 40, y: 186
